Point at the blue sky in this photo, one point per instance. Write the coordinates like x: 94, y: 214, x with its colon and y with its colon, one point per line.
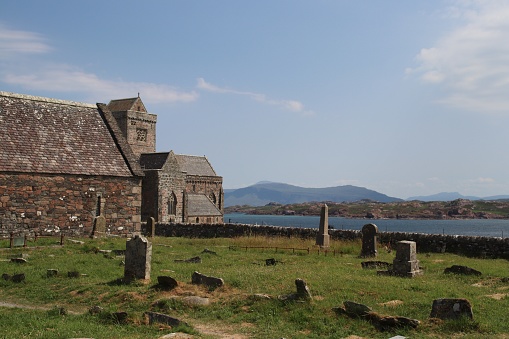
x: 403, y: 97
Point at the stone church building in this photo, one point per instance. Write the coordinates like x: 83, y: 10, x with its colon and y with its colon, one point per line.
x: 63, y: 163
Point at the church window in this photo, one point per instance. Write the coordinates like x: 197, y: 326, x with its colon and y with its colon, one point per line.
x: 172, y: 204
x: 141, y: 134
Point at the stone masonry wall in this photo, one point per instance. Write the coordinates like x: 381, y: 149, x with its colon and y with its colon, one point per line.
x: 53, y: 203
x: 206, y: 185
x: 483, y: 247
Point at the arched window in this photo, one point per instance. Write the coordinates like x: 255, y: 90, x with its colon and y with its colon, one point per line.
x: 172, y: 204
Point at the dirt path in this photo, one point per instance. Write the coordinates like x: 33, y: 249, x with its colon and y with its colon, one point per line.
x: 32, y: 307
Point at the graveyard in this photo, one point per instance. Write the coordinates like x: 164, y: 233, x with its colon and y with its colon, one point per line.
x: 245, y: 287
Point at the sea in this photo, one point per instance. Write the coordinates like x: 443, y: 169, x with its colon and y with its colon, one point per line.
x: 471, y: 227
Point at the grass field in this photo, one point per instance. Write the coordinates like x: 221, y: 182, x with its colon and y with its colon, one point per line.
x: 232, y: 312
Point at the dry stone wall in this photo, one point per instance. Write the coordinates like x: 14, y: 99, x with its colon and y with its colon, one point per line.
x: 483, y: 247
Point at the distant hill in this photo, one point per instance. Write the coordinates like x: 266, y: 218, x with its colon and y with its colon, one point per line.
x: 450, y: 196
x: 444, y: 196
x: 263, y: 193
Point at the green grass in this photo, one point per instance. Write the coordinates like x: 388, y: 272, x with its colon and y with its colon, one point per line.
x: 331, y: 279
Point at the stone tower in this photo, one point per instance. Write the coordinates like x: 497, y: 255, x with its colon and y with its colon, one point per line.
x: 137, y: 125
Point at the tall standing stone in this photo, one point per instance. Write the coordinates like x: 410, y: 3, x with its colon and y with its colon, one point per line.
x: 369, y: 232
x: 138, y: 255
x: 99, y: 229
x: 151, y: 227
x: 322, y: 239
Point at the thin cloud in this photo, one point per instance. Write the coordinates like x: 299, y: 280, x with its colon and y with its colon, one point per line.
x: 15, y: 42
x: 67, y: 79
x: 288, y: 105
x: 471, y: 63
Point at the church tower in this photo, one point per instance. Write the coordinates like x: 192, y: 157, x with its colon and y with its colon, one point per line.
x: 137, y: 125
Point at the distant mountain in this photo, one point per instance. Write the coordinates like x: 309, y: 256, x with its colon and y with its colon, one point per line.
x: 263, y: 193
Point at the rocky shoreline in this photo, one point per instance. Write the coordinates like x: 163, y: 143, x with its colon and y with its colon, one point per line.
x: 435, y: 210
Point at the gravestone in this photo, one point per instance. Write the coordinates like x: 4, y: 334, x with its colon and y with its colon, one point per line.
x: 451, y: 309
x: 369, y: 232
x: 138, y: 255
x: 99, y: 229
x: 322, y: 239
x: 406, y: 264
x: 160, y: 318
x: 151, y: 227
x: 18, y: 241
x: 166, y: 282
x: 302, y: 290
x: 201, y: 279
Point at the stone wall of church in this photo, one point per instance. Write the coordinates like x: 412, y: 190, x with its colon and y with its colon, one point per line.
x: 171, y: 182
x: 68, y: 203
x: 212, y: 187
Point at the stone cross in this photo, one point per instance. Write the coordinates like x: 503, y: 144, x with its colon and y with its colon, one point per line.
x: 406, y: 264
x: 99, y: 229
x: 369, y: 232
x: 322, y: 239
x: 138, y: 255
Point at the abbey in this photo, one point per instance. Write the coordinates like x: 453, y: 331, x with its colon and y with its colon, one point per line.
x: 63, y: 163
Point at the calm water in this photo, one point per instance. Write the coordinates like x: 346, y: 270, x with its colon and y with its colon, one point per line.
x: 479, y: 227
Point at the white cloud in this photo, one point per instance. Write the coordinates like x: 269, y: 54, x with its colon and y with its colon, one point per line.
x: 289, y: 105
x: 471, y: 63
x: 483, y: 180
x: 63, y: 78
x: 67, y: 79
x: 14, y: 42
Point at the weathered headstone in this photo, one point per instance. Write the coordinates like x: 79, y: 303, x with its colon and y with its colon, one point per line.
x: 451, y: 309
x: 166, y: 282
x: 73, y: 274
x: 302, y: 290
x: 99, y: 229
x: 302, y: 294
x: 138, y: 255
x: 369, y: 232
x: 19, y: 260
x: 406, y: 264
x: 151, y: 227
x: 19, y: 241
x: 323, y: 238
x: 201, y: 279
x: 17, y: 278
x: 459, y: 269
x: 154, y: 317
x: 51, y: 272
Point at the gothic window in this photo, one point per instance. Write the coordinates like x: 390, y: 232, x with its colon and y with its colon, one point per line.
x: 141, y: 134
x: 172, y: 204
x: 98, y: 210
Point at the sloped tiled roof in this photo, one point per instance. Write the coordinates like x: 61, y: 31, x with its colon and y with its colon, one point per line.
x: 200, y: 205
x: 195, y: 165
x: 149, y: 161
x: 121, y: 105
x: 42, y: 135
